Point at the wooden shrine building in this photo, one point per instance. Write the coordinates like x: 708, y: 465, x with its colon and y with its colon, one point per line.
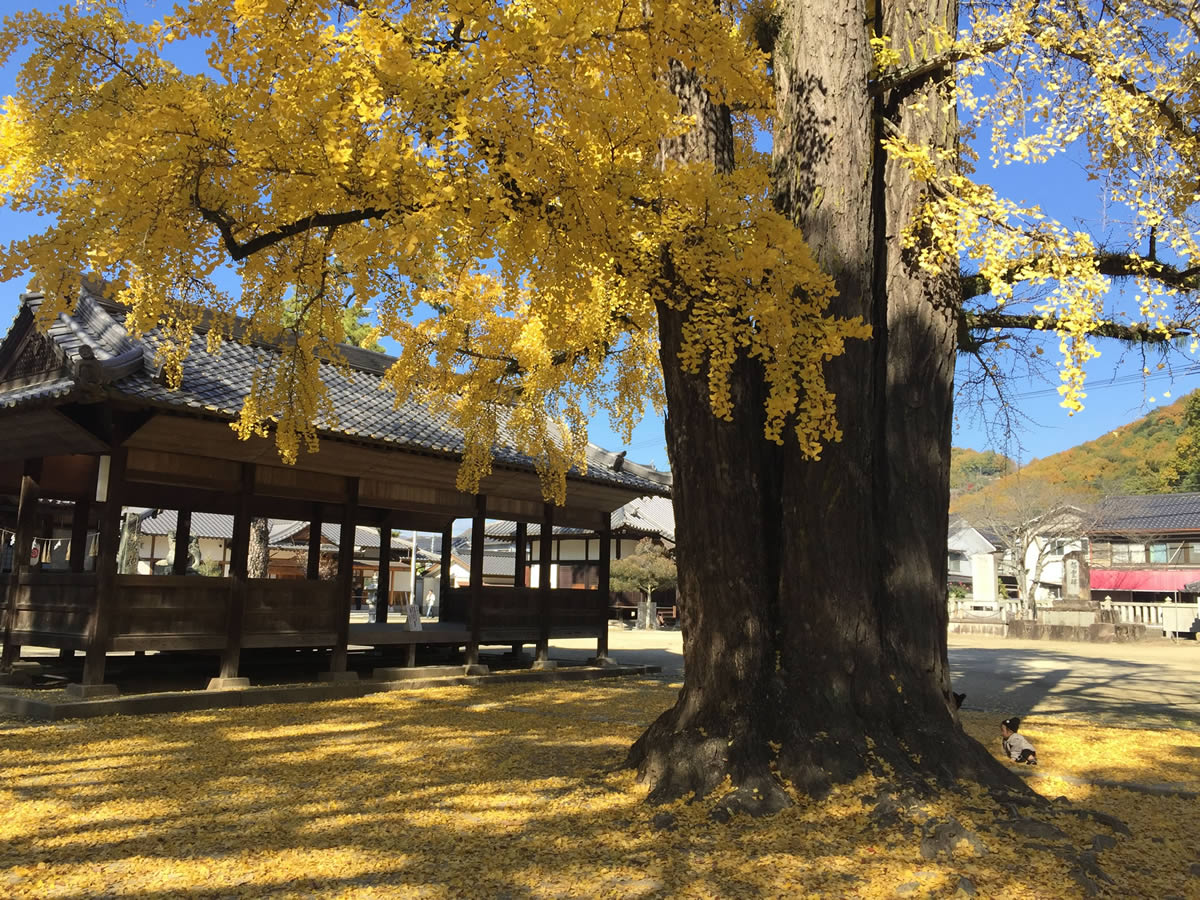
x: 88, y: 428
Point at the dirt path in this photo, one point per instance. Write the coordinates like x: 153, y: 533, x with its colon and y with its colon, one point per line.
x: 1149, y: 683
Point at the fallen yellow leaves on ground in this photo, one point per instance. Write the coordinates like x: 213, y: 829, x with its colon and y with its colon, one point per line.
x: 517, y: 791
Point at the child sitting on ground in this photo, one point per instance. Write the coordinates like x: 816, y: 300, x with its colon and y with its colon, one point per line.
x: 1016, y: 747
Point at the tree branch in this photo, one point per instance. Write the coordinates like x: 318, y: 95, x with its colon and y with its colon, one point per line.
x: 239, y: 250
x: 1163, y: 107
x: 1137, y: 332
x: 1115, y: 265
x: 904, y: 77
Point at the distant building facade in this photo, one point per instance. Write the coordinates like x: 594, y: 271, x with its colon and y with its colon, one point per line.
x: 1146, y: 548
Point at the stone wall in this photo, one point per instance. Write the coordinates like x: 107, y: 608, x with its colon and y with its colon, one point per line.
x: 1096, y: 632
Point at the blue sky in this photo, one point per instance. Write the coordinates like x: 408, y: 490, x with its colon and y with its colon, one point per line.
x: 1116, y: 395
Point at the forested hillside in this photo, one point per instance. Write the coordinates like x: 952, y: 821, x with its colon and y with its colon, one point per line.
x: 1126, y: 461
x: 972, y: 470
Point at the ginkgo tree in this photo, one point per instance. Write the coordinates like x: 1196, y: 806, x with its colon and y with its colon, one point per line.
x: 557, y: 209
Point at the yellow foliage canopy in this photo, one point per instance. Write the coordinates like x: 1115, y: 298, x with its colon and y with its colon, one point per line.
x: 1117, y: 84
x: 487, y: 174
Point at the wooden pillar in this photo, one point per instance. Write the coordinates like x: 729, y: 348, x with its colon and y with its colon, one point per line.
x: 383, y: 596
x: 544, y: 586
x: 109, y: 539
x: 412, y: 573
x: 475, y: 616
x: 447, y: 547
x: 519, y: 579
x: 239, y: 557
x: 345, y: 575
x: 519, y: 568
x: 27, y: 508
x: 81, y: 518
x: 183, y: 539
x: 314, y: 545
x: 603, y: 588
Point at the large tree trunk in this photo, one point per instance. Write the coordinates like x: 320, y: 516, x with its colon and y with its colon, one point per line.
x: 814, y: 602
x: 260, y: 550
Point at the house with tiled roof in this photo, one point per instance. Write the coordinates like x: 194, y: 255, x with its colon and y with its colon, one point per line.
x: 1140, y: 559
x: 575, y: 552
x: 964, y: 545
x: 89, y: 428
x: 287, y: 543
x: 1145, y: 546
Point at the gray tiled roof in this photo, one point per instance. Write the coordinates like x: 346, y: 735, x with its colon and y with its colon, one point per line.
x: 499, y: 565
x: 652, y: 515
x: 508, y: 530
x: 46, y: 390
x: 204, y: 525
x: 219, y: 525
x: 1149, y: 512
x: 216, y: 384
x: 494, y: 563
x: 645, y: 515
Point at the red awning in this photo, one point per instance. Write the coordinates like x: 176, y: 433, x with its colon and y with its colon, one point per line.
x: 1166, y: 580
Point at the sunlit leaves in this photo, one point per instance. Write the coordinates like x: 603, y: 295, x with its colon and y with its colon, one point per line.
x: 486, y: 176
x: 1117, y: 85
x: 467, y: 792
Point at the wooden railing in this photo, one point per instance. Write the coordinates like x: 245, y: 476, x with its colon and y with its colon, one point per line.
x: 578, y: 609
x: 190, y: 613
x: 54, y: 607
x: 180, y: 612
x: 176, y: 612
x: 290, y: 613
x: 508, y: 607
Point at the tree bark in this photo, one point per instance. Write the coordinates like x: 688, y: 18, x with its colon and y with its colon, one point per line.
x: 260, y: 551
x: 814, y: 609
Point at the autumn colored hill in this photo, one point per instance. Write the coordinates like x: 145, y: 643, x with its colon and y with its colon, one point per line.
x: 1125, y: 461
x: 973, y: 470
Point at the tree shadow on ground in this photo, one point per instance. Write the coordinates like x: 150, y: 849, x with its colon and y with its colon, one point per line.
x: 1020, y: 681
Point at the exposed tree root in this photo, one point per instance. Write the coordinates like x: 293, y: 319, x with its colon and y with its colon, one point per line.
x: 769, y: 769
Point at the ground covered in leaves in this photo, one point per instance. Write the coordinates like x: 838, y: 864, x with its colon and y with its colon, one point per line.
x: 515, y: 791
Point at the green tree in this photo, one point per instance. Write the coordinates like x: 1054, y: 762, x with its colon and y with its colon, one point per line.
x: 648, y: 569
x: 970, y: 469
x: 358, y: 332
